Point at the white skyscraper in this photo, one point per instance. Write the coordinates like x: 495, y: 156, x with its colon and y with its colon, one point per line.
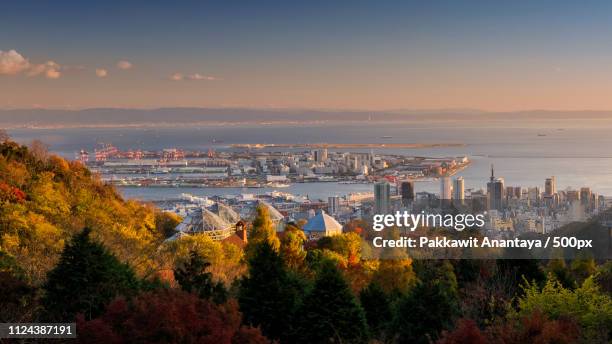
x: 446, y: 188
x: 333, y: 205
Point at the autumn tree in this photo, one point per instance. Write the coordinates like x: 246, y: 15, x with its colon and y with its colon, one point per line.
x: 292, y: 250
x: 168, y: 316
x: 466, y: 332
x: 262, y: 231
x: 86, y: 279
x: 330, y: 312
x: 166, y: 223
x: 591, y: 308
x: 226, y: 259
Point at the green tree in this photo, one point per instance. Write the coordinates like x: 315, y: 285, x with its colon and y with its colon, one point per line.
x: 559, y: 269
x: 193, y: 278
x: 430, y: 307
x: 591, y: 308
x: 377, y: 307
x: 86, y: 278
x: 330, y: 312
x: 583, y: 267
x: 269, y: 295
x: 603, y: 277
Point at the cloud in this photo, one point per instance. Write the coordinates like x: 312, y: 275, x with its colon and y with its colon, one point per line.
x: 198, y: 76
x: 176, y: 77
x: 13, y: 63
x: 49, y: 69
x: 195, y: 77
x: 101, y: 73
x: 123, y: 64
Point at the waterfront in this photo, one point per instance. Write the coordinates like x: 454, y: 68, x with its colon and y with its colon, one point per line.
x: 315, y: 191
x: 576, y: 153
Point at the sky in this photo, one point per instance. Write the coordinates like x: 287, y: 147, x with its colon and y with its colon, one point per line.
x: 380, y: 55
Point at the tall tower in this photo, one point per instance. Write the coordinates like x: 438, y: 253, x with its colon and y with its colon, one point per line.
x: 382, y: 197
x: 446, y: 188
x: 333, y: 205
x: 459, y: 189
x: 495, y: 191
x: 550, y: 186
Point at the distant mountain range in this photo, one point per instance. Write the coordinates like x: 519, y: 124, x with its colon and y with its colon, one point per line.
x: 186, y: 116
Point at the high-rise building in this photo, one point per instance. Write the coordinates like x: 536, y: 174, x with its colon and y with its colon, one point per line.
x: 459, y: 189
x: 594, y: 201
x: 572, y: 196
x: 518, y: 192
x: 513, y: 192
x: 479, y: 201
x: 333, y: 205
x: 446, y: 188
x: 534, y: 195
x: 495, y: 191
x: 585, y: 196
x: 382, y: 197
x: 550, y: 186
x: 407, y: 191
x: 320, y: 155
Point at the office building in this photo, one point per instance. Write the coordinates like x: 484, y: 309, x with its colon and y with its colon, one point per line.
x: 534, y: 195
x: 459, y: 189
x: 446, y: 188
x: 572, y: 196
x: 585, y: 196
x: 382, y: 197
x: 550, y: 186
x: 495, y: 192
x: 333, y: 205
x: 407, y: 191
x: 320, y: 155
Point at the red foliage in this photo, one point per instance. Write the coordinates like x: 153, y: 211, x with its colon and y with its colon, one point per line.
x: 168, y: 316
x: 18, y: 195
x: 535, y: 328
x: 11, y: 193
x: 538, y: 329
x: 466, y: 332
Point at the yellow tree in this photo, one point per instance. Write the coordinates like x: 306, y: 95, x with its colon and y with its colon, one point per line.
x: 262, y: 231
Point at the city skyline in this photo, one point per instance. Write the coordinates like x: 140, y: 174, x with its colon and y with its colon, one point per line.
x: 389, y: 55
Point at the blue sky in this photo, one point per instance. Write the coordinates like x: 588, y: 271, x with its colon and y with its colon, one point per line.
x: 496, y: 55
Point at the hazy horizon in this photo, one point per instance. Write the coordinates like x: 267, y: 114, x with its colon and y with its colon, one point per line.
x: 183, y: 116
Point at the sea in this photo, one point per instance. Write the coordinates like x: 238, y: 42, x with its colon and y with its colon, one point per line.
x: 578, y: 153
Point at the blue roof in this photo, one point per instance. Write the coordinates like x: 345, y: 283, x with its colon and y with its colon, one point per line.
x: 322, y: 223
